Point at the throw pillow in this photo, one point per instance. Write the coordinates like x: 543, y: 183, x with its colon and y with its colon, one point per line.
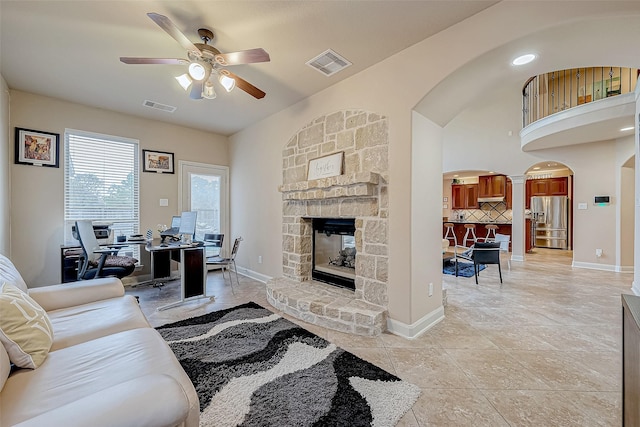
x: 25, y: 329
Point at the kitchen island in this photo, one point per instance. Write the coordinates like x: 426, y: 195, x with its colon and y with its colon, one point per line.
x: 481, y: 231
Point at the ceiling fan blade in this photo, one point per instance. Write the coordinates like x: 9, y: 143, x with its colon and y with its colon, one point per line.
x: 196, y: 90
x: 170, y: 28
x: 244, y: 85
x: 243, y: 57
x: 170, y: 61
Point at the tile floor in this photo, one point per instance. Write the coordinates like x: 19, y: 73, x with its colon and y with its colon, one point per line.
x: 543, y: 349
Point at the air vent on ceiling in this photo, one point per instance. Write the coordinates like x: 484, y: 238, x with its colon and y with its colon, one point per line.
x: 158, y: 106
x: 328, y: 63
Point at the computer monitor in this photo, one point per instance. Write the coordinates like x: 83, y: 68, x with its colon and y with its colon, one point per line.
x: 188, y: 223
x: 175, y: 222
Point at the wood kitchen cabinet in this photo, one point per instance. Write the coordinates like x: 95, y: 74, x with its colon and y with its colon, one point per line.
x: 464, y: 196
x: 546, y: 187
x: 492, y: 186
x: 508, y: 199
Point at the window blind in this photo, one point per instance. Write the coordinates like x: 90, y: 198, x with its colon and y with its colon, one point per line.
x: 101, y: 182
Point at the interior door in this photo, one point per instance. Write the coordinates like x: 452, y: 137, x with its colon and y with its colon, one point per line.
x: 205, y: 189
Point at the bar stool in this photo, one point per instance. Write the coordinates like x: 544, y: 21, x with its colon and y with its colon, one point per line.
x: 491, y: 232
x: 470, y: 234
x: 450, y: 234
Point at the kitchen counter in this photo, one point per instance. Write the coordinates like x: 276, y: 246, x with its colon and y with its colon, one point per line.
x: 456, y: 221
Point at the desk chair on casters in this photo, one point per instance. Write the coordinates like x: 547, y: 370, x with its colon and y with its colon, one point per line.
x: 226, y: 262
x: 100, y: 261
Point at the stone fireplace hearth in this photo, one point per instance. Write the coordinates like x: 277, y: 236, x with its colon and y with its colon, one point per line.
x: 360, y: 192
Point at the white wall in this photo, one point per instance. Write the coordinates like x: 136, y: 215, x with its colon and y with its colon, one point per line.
x: 5, y: 161
x: 37, y: 192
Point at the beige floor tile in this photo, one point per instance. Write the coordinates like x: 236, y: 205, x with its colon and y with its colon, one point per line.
x: 456, y: 407
x: 429, y: 367
x: 543, y: 349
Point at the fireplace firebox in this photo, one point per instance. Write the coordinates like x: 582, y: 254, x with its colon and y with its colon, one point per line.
x: 334, y: 251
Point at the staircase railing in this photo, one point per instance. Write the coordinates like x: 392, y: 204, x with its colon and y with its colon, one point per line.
x: 557, y: 91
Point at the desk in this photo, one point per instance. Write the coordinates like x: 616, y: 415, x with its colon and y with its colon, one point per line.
x: 193, y: 271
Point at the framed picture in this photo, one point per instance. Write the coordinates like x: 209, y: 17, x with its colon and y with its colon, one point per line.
x: 37, y: 148
x: 327, y: 166
x: 157, y: 161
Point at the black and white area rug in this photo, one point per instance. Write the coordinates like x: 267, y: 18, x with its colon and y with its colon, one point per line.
x: 252, y: 367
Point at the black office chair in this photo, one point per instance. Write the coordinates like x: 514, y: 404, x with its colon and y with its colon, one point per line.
x: 97, y: 261
x: 486, y: 253
x: 226, y: 262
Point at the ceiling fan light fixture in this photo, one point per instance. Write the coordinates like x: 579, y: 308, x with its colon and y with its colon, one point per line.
x: 184, y: 80
x: 208, y: 91
x: 227, y: 82
x: 197, y: 71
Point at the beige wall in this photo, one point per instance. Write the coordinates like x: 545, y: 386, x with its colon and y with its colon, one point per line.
x: 37, y: 192
x: 256, y: 165
x: 5, y: 161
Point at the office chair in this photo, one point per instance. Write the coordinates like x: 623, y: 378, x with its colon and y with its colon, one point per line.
x: 226, y: 262
x: 97, y: 261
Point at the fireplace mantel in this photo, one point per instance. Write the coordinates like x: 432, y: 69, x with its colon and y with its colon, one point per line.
x: 361, y: 184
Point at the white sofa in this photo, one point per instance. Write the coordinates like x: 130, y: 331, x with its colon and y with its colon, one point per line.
x: 106, y: 365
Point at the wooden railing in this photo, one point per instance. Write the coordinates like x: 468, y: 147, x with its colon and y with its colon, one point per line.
x: 554, y: 92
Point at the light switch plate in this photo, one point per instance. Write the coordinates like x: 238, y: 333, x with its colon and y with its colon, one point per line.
x: 582, y: 206
x: 164, y: 202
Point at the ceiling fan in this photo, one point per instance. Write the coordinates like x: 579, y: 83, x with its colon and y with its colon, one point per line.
x: 205, y: 62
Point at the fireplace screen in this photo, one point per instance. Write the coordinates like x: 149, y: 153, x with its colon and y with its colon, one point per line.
x: 334, y: 252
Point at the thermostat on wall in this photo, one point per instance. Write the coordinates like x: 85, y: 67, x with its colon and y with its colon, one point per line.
x: 601, y: 200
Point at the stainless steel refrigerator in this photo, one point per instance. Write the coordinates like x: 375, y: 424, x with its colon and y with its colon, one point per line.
x: 551, y: 221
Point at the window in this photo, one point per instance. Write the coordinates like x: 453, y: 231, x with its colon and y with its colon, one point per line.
x: 101, y: 182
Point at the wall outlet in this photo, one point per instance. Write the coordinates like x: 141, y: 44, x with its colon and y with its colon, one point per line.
x: 430, y: 289
x: 598, y: 253
x: 259, y: 259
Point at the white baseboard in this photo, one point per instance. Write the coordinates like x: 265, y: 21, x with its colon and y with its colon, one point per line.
x: 254, y: 275
x: 624, y: 268
x: 415, y: 329
x: 594, y: 266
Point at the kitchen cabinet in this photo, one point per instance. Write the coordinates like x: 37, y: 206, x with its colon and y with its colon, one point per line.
x: 464, y: 196
x: 528, y: 235
x: 492, y: 186
x: 508, y: 199
x: 558, y: 187
x: 546, y: 187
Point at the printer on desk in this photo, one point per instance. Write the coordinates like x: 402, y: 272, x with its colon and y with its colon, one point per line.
x: 102, y: 230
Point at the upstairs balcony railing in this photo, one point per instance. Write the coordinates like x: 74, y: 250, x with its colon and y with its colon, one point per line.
x: 554, y: 92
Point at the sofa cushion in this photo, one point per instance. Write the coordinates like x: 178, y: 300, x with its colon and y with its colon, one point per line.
x: 92, y: 367
x: 9, y: 273
x: 86, y: 322
x: 25, y: 330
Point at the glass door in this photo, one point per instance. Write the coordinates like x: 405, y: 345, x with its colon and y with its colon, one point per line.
x: 205, y: 189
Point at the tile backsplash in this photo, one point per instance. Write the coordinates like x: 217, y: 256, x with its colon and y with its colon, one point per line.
x: 489, y: 212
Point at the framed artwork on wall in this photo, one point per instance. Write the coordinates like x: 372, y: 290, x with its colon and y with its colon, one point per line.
x: 37, y: 148
x: 157, y: 161
x: 326, y: 166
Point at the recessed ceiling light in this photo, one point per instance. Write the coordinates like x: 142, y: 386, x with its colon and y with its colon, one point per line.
x: 536, y: 168
x: 626, y: 129
x: 455, y: 176
x: 524, y: 59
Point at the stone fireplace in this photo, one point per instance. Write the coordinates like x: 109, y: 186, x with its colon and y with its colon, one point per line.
x: 358, y: 194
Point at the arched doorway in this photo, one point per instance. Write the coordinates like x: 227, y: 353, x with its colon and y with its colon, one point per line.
x: 549, y: 206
